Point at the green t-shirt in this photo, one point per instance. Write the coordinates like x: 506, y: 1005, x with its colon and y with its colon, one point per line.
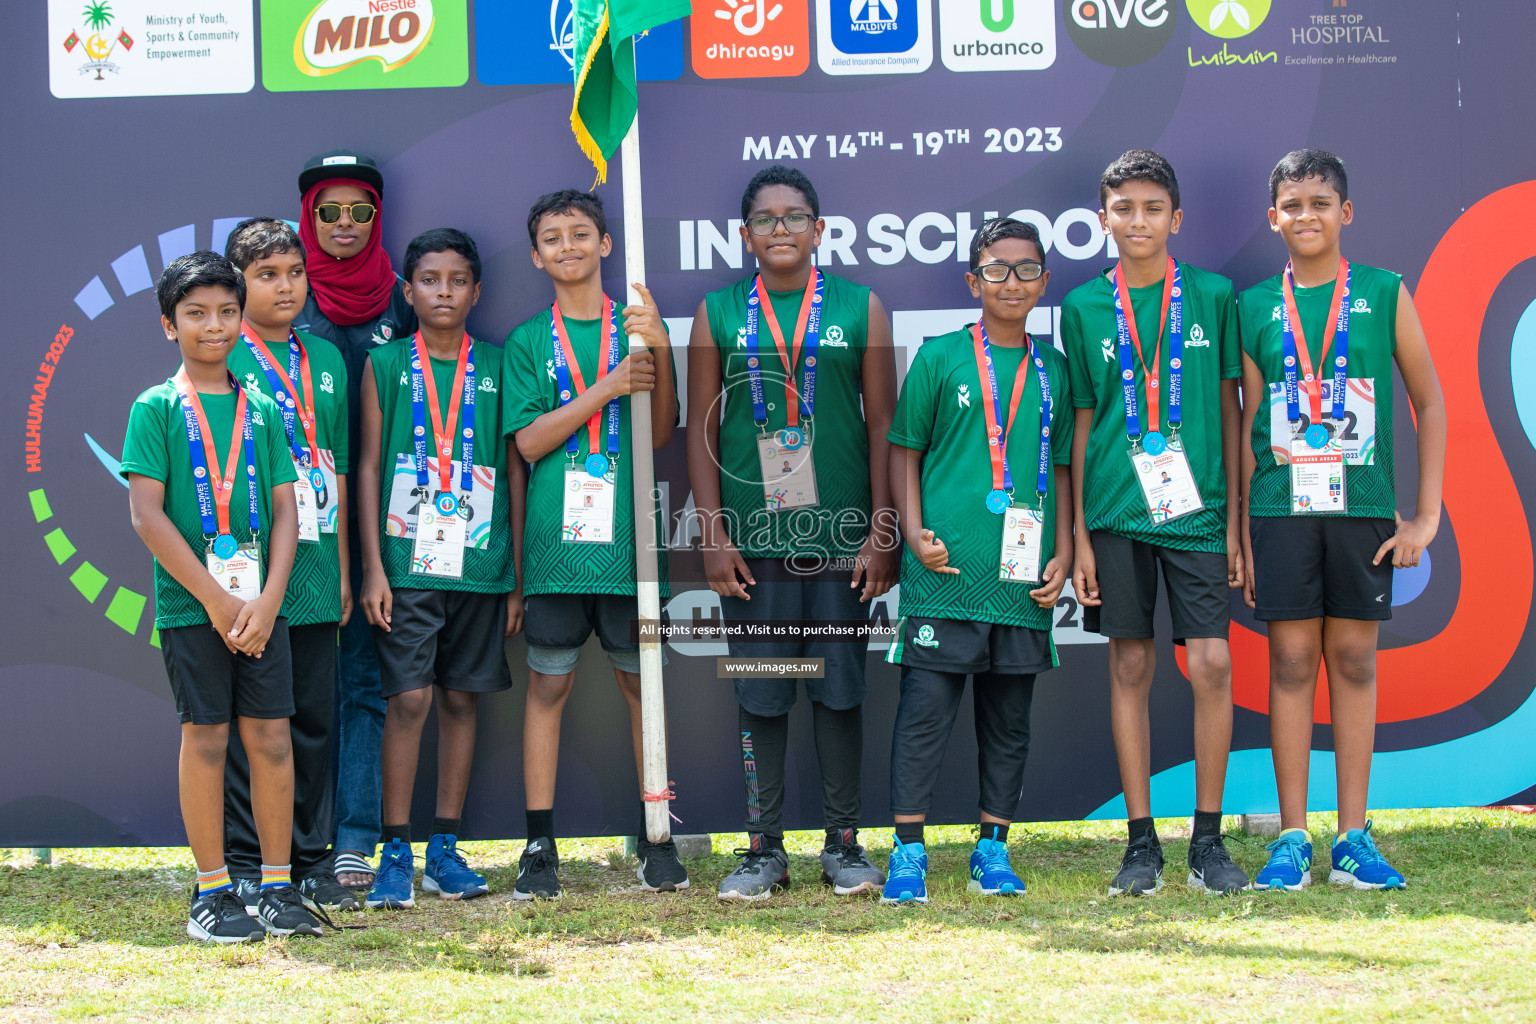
x: 941, y: 413
x: 488, y: 556
x: 314, y: 586
x: 840, y: 522
x: 156, y: 447
x: 1112, y: 498
x: 1369, y: 490
x: 552, y: 565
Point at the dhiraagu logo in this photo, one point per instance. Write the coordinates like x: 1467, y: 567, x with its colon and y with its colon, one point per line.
x: 363, y: 44
x: 1228, y: 19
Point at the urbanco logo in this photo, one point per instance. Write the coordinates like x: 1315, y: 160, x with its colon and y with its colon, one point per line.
x: 1120, y: 33
x: 997, y: 35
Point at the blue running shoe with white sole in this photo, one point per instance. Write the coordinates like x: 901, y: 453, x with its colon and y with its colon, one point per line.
x: 1357, y: 862
x: 906, y: 876
x: 991, y: 874
x: 1290, y: 862
x: 448, y: 874
x: 394, y: 881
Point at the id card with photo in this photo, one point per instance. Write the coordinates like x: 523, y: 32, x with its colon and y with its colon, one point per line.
x: 405, y: 495
x: 1019, y: 560
x: 1167, y: 483
x: 440, y: 533
x: 1356, y: 434
x: 307, y: 499
x: 588, y: 504
x: 240, y: 573
x: 789, y: 472
x: 1317, y: 477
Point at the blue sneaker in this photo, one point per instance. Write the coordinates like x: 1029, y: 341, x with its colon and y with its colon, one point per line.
x: 991, y: 874
x: 394, y: 881
x: 1357, y: 862
x: 906, y: 876
x: 447, y: 874
x: 1290, y: 862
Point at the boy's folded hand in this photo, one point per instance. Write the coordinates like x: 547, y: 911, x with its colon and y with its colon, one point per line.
x: 933, y: 554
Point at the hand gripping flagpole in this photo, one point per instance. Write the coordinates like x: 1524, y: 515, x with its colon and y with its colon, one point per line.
x: 653, y: 709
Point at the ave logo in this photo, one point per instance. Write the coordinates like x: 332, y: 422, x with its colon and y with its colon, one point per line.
x: 1121, y: 33
x: 750, y: 38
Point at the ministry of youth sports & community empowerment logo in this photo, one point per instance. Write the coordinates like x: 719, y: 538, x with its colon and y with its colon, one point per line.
x: 99, y: 42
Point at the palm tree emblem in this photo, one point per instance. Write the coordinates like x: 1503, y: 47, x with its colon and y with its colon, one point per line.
x: 97, y: 15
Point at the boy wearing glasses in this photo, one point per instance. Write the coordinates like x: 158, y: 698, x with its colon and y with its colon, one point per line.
x: 1153, y: 348
x: 795, y: 350
x: 978, y: 469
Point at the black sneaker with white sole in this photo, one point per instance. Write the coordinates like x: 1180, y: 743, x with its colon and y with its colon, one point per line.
x: 538, y: 872
x: 281, y: 911
x: 221, y: 917
x: 1211, y: 867
x: 660, y: 870
x: 323, y: 892
x: 249, y: 892
x: 846, y: 867
x: 1141, y: 869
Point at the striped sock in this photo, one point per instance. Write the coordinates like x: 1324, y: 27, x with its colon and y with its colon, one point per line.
x: 275, y: 876
x: 217, y: 880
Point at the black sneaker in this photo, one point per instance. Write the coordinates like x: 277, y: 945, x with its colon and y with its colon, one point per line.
x: 221, y: 917
x: 323, y: 892
x: 845, y: 866
x: 1141, y: 869
x: 538, y: 872
x: 249, y: 892
x: 660, y: 869
x: 282, y: 912
x: 1211, y: 867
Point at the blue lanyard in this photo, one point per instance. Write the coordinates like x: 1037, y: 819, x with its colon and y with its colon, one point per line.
x: 1005, y: 427
x: 559, y: 341
x: 286, y: 403
x: 756, y: 296
x: 443, y: 433
x: 1125, y: 332
x: 192, y: 414
x: 1338, y: 326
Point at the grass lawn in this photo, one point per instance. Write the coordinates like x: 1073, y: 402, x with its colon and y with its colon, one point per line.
x: 100, y: 935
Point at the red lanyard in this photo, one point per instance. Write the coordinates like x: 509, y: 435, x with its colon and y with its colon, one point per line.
x: 442, y: 437
x: 222, y: 483
x: 594, y: 424
x: 1310, y: 381
x: 306, y: 411
x: 997, y: 436
x: 790, y: 358
x: 1153, y: 372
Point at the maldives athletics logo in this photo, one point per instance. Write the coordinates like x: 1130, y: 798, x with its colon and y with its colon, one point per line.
x: 363, y: 44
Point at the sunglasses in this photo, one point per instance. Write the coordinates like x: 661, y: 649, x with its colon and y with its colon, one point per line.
x: 997, y: 273
x: 794, y: 223
x: 361, y: 213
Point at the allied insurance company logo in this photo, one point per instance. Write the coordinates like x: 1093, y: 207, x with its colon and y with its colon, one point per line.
x: 750, y: 38
x: 873, y: 37
x: 1121, y: 33
x: 364, y: 44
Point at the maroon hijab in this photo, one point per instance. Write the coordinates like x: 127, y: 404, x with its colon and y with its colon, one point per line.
x: 352, y: 290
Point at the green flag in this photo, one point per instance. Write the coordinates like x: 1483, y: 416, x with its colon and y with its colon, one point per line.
x: 606, y: 97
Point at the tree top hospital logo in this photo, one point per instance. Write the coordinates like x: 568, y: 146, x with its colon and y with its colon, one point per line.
x: 874, y: 37
x: 1228, y: 19
x: 103, y: 48
x: 534, y: 41
x: 363, y: 44
x: 1120, y: 33
x: 750, y: 38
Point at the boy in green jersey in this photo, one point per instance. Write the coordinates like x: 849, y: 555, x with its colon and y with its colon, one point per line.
x: 569, y: 381
x: 1153, y: 348
x: 442, y: 528
x: 979, y: 469
x: 795, y: 520
x: 210, y: 488
x: 1323, y: 533
x: 307, y: 379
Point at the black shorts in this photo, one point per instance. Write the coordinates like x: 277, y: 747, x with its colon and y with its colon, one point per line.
x: 782, y: 594
x: 1195, y: 581
x: 212, y: 684
x: 950, y: 645
x: 1305, y: 567
x: 451, y: 638
x: 557, y: 625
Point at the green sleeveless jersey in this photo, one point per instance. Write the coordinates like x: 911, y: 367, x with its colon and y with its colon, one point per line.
x: 1112, y: 498
x: 1369, y: 489
x: 839, y: 523
x: 941, y: 414
x: 552, y: 565
x: 314, y: 586
x: 488, y: 554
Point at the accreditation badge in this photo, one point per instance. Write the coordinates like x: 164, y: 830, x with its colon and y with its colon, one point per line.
x: 1166, y: 481
x: 588, y: 502
x: 1019, y: 560
x: 789, y: 471
x: 1317, y: 473
x: 307, y: 500
x: 239, y: 572
x: 322, y: 480
x: 440, y: 530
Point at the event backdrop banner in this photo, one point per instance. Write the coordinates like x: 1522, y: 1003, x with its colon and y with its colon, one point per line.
x: 138, y: 130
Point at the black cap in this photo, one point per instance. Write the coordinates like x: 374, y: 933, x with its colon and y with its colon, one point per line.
x: 340, y: 163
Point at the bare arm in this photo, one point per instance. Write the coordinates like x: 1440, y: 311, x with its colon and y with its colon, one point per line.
x: 723, y: 565
x: 377, y: 600
x: 906, y: 472
x: 1053, y: 576
x: 1231, y: 442
x: 1085, y: 574
x: 1255, y: 397
x: 878, y: 564
x: 1423, y: 385
x: 344, y: 556
x: 517, y: 490
x: 146, y: 506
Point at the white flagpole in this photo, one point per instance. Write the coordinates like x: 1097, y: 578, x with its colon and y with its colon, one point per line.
x: 653, y: 709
